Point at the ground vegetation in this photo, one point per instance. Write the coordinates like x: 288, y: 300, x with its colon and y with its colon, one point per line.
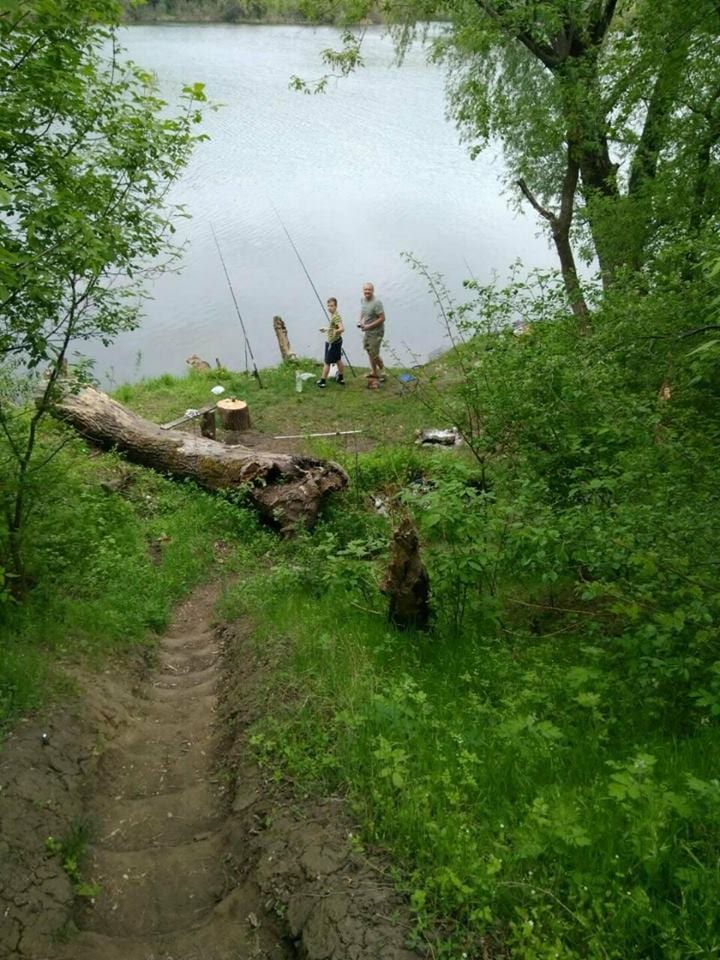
x: 540, y: 761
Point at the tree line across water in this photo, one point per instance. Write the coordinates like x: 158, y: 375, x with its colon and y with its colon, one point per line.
x: 223, y: 11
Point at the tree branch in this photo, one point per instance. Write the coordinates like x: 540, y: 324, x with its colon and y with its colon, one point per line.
x: 543, y: 211
x: 703, y: 329
x: 542, y: 51
x: 603, y: 21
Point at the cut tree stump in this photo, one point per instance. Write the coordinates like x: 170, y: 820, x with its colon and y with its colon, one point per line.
x: 287, y: 490
x: 234, y: 414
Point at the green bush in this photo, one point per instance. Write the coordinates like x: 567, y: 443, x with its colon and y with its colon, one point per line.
x: 542, y: 763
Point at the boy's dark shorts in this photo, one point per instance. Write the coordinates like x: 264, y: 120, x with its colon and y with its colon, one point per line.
x: 333, y: 351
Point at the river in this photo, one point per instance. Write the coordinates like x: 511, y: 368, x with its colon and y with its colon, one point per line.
x: 358, y: 175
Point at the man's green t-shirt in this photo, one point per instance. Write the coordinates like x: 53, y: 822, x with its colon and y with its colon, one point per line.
x: 370, y: 310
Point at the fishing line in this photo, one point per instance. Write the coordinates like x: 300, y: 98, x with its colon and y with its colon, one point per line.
x: 300, y: 260
x: 248, y: 348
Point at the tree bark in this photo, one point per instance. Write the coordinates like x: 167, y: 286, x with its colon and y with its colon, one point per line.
x: 287, y: 490
x: 207, y: 424
x: 560, y: 225
x: 406, y: 582
x: 286, y: 351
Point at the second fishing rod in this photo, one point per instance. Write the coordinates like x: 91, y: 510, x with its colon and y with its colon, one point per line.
x: 256, y: 372
x: 305, y: 270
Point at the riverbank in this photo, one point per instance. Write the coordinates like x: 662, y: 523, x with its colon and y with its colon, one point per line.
x: 538, y: 766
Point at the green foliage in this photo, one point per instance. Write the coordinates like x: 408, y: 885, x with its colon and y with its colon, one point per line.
x: 109, y: 550
x: 71, y: 851
x: 541, y: 765
x: 499, y: 776
x: 87, y: 153
x: 607, y: 112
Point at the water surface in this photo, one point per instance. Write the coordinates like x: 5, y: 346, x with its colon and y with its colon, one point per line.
x: 358, y: 175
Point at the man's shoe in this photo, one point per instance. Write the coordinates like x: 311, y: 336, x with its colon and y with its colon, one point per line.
x: 340, y: 380
x: 320, y: 383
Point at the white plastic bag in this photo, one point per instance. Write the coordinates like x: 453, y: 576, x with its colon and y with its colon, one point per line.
x: 299, y: 377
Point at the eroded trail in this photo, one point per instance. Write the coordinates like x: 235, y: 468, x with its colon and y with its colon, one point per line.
x: 159, y: 852
x: 196, y: 851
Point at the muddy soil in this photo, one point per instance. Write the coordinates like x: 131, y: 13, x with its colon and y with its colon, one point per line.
x: 187, y: 852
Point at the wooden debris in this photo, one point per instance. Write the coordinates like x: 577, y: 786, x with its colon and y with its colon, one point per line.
x: 286, y: 351
x: 330, y: 433
x: 406, y: 582
x: 287, y: 490
x: 188, y: 415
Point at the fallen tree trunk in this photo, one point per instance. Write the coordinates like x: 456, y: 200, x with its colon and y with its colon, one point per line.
x: 287, y: 490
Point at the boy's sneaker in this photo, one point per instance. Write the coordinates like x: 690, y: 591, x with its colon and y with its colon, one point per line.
x: 340, y: 380
x: 320, y: 383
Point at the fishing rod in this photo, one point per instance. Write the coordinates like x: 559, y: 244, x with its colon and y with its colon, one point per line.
x: 248, y: 348
x: 300, y: 259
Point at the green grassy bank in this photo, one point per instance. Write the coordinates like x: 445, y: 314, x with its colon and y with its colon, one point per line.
x: 542, y: 763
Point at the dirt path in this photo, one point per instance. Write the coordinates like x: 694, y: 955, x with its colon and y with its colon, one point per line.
x: 159, y: 856
x: 196, y: 856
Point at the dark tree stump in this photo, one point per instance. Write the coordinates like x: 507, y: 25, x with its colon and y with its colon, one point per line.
x: 207, y: 424
x: 406, y: 582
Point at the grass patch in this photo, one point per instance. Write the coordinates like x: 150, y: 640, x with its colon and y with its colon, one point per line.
x: 389, y: 415
x: 111, y: 549
x: 521, y: 812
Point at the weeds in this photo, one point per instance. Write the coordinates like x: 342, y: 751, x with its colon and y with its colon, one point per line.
x: 71, y: 851
x: 542, y: 765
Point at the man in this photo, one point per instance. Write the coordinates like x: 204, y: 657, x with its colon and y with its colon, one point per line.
x: 372, y: 323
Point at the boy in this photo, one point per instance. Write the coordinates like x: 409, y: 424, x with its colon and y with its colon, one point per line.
x: 333, y: 345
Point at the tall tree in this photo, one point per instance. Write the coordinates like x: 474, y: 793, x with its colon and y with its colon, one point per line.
x: 607, y: 111
x: 87, y: 152
x: 624, y: 92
